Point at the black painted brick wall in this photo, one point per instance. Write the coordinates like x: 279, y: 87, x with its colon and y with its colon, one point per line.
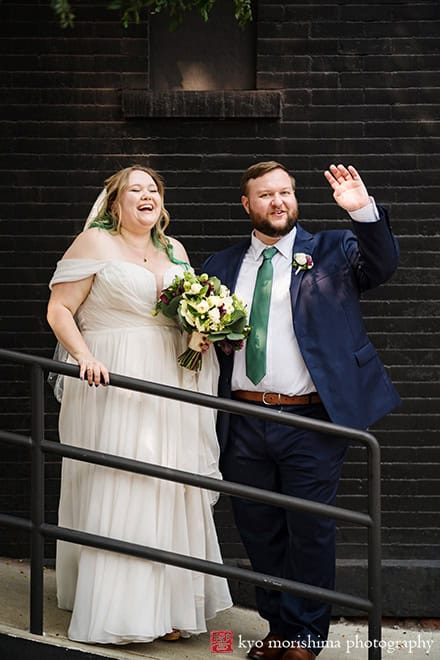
x: 360, y: 84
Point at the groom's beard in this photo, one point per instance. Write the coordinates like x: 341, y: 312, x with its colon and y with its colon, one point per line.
x: 266, y: 227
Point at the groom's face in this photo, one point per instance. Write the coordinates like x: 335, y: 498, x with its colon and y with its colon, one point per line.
x: 271, y: 203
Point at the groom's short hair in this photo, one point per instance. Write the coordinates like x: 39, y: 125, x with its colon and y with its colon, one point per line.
x: 260, y: 169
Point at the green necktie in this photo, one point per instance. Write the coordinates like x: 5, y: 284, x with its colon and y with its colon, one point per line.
x: 259, y: 318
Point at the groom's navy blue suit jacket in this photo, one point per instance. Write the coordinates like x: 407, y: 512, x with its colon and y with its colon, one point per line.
x: 343, y: 363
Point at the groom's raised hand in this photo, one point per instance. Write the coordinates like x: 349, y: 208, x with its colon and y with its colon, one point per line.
x: 349, y: 190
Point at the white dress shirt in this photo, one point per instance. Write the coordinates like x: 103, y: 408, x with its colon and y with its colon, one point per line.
x: 286, y: 372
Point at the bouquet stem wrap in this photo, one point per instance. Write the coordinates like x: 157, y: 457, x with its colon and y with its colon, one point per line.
x: 192, y: 357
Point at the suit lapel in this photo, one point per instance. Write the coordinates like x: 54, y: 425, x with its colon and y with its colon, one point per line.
x: 304, y: 242
x: 234, y: 265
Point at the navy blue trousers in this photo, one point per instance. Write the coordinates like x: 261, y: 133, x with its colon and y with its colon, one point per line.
x: 289, y: 544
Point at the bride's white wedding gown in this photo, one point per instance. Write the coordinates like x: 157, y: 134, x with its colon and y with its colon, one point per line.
x: 115, y: 598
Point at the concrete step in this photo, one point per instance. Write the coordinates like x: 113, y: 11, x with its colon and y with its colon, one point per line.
x: 348, y: 639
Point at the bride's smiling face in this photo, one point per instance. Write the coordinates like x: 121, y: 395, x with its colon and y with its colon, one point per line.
x: 140, y: 203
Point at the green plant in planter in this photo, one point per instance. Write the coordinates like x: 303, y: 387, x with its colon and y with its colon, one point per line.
x: 130, y: 10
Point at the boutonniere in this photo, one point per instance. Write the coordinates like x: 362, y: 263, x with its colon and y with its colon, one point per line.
x: 302, y: 261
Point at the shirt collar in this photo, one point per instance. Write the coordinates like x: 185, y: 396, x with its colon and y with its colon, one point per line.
x: 284, y: 245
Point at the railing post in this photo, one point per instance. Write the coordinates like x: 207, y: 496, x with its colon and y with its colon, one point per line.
x: 374, y: 552
x: 37, y: 505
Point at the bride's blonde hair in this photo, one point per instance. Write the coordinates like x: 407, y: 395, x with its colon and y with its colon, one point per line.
x: 109, y: 213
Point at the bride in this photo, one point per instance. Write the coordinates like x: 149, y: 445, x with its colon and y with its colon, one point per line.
x: 100, y: 309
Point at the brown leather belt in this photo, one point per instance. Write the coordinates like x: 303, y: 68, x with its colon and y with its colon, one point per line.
x: 275, y: 399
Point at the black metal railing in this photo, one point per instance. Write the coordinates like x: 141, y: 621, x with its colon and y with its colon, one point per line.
x: 39, y: 529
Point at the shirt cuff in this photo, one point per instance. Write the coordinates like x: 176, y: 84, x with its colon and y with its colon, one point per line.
x: 368, y: 213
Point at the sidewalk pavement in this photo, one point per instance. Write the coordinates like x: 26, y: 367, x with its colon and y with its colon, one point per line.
x: 229, y: 637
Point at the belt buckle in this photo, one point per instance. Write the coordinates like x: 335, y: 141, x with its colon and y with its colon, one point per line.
x: 267, y: 403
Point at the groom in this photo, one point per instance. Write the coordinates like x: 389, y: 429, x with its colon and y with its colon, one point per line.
x: 308, y: 353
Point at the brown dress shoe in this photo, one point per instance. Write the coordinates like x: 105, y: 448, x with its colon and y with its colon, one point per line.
x: 298, y: 653
x: 267, y: 649
x: 172, y: 636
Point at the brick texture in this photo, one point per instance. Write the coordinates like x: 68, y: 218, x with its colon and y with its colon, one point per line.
x: 359, y: 84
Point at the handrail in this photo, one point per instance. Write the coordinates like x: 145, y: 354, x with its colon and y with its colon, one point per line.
x: 210, y: 483
x: 39, y: 529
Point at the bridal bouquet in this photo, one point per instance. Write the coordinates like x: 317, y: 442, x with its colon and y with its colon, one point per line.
x: 203, y: 306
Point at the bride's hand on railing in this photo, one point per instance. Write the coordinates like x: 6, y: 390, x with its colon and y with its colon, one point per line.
x: 92, y: 370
